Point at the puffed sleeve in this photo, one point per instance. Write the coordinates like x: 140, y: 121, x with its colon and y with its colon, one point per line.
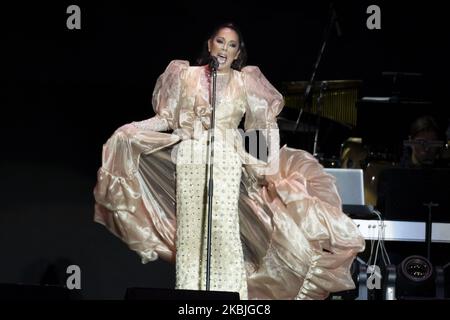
x: 165, y: 98
x: 264, y: 103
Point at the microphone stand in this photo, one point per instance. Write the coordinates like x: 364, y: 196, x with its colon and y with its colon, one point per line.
x: 429, y: 224
x: 323, y: 88
x: 307, y: 95
x: 210, y: 167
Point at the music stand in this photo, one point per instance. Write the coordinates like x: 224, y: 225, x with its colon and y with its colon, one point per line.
x: 403, y: 193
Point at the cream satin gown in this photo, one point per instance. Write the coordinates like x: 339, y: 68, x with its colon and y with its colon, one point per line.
x: 227, y: 259
x: 277, y: 234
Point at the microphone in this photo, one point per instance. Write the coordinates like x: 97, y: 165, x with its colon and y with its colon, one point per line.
x: 213, y: 62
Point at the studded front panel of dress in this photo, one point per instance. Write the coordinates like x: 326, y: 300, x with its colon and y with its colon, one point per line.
x: 227, y: 263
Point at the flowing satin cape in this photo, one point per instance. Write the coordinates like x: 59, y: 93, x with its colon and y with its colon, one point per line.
x: 298, y: 244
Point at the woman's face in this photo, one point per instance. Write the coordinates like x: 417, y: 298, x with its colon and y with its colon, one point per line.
x: 225, y: 46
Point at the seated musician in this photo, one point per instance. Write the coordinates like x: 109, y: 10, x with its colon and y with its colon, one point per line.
x: 425, y: 146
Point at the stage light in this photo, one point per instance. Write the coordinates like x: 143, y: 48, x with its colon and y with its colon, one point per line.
x: 415, y: 279
x: 359, y: 275
x: 416, y: 268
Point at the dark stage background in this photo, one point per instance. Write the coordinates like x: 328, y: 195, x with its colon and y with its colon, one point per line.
x: 64, y: 92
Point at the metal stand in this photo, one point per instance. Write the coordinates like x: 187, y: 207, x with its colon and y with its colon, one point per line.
x: 362, y: 282
x: 389, y: 290
x: 323, y: 88
x: 428, y: 232
x: 307, y: 95
x: 210, y: 167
